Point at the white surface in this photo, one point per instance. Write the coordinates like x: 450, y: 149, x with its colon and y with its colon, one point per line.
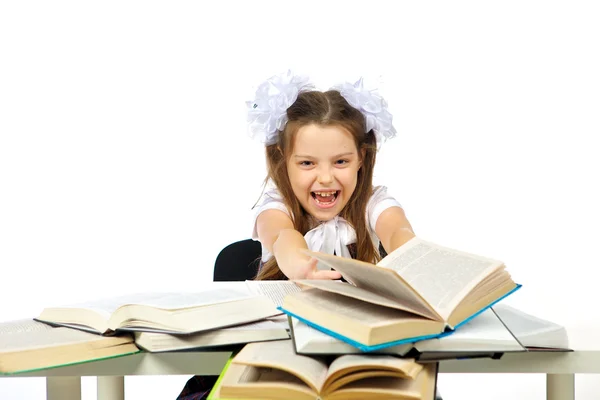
x: 124, y: 163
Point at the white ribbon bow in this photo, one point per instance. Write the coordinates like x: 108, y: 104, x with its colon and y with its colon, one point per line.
x: 331, y: 236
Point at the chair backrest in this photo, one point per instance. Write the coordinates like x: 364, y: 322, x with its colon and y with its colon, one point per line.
x: 238, y: 261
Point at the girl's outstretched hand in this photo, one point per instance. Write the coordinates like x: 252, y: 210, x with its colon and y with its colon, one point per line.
x: 308, y: 270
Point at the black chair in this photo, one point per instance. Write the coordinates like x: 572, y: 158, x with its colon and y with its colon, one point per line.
x: 238, y: 261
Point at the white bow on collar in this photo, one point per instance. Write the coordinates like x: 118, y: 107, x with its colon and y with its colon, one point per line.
x: 331, y: 236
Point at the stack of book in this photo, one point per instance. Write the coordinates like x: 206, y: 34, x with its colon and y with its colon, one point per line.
x: 225, y: 314
x: 498, y: 330
x: 419, y: 291
x: 381, y: 331
x: 423, y: 300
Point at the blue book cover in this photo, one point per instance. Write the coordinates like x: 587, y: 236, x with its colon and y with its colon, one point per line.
x: 444, y: 286
x: 369, y: 348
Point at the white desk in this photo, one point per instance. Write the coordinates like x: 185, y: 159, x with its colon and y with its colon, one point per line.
x: 65, y: 382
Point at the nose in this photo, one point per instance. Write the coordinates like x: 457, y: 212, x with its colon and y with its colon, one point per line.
x: 325, y: 175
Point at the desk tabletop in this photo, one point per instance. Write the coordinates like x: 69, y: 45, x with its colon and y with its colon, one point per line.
x: 583, y: 339
x: 582, y: 336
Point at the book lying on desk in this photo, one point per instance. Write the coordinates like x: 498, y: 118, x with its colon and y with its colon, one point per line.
x: 176, y: 313
x: 27, y: 345
x: 482, y: 336
x: 272, y: 370
x: 252, y: 332
x: 535, y: 334
x: 419, y: 291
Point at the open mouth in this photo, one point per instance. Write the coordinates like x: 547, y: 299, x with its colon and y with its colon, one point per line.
x: 325, y: 198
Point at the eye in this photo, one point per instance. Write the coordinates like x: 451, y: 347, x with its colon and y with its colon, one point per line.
x: 305, y: 163
x: 342, y: 162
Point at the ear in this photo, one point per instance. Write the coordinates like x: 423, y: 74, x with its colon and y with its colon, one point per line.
x: 363, y: 154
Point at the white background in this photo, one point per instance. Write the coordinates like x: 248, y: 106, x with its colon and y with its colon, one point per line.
x: 125, y: 163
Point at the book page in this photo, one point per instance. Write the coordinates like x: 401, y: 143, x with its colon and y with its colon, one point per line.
x: 423, y: 387
x: 274, y: 290
x: 258, y: 325
x: 368, y: 296
x: 357, y: 362
x: 265, y: 324
x: 530, y: 330
x: 441, y: 275
x: 168, y: 301
x: 280, y: 354
x: 385, y: 282
x: 484, y: 333
x: 39, y: 338
x: 23, y: 326
x: 242, y: 381
x: 281, y: 320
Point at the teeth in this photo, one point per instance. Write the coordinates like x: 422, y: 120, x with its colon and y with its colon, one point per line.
x: 325, y: 194
x: 330, y: 196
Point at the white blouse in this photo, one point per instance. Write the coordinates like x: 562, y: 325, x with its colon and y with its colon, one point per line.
x: 333, y: 235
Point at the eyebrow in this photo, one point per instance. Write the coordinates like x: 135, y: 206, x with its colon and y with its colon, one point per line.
x: 350, y: 153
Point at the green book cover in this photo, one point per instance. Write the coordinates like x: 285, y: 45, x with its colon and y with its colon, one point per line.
x: 66, y: 364
x: 213, y: 393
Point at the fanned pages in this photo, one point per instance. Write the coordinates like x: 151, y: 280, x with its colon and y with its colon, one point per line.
x: 364, y: 325
x: 425, y: 288
x: 245, y: 333
x: 534, y: 333
x: 274, y: 290
x: 273, y: 370
x: 177, y: 313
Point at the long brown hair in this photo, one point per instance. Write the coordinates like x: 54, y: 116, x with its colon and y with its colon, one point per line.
x: 327, y: 109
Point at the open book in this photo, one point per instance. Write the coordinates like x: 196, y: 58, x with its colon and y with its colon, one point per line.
x: 270, y: 370
x: 176, y: 313
x: 416, y: 292
x: 536, y: 334
x: 268, y: 329
x: 27, y: 345
x: 482, y: 336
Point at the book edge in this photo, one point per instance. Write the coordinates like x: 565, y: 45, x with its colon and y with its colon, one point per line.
x: 361, y: 346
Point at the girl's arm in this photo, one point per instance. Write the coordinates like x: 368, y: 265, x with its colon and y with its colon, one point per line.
x: 393, y: 229
x: 276, y: 232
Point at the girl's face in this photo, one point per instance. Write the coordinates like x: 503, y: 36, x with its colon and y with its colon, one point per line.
x: 323, y: 169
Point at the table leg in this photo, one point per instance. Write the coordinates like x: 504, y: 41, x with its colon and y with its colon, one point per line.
x: 111, y: 388
x: 63, y: 387
x: 560, y: 386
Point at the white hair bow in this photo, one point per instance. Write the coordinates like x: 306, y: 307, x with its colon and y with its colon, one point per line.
x: 267, y: 113
x: 373, y: 107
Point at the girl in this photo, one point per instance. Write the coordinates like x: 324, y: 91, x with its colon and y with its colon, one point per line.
x: 320, y: 150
